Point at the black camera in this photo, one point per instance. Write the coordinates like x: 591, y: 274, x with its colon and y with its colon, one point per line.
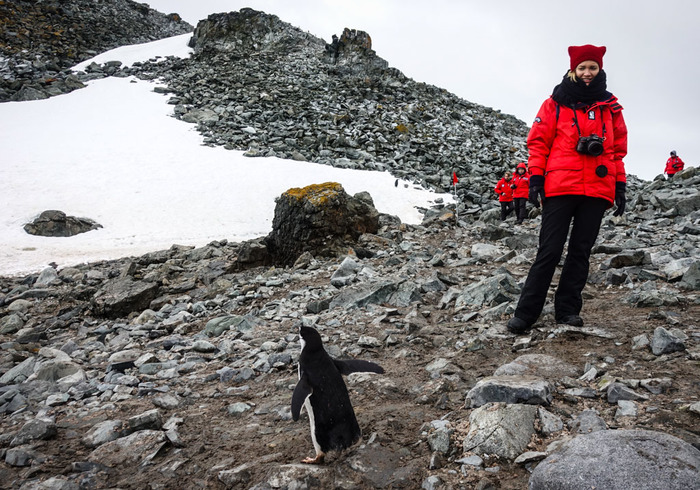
x: 590, y: 145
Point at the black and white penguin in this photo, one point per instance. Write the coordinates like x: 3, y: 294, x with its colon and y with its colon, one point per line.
x: 321, y: 390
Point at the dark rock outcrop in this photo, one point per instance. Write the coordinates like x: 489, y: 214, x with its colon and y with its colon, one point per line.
x: 39, y: 41
x: 259, y: 84
x: 54, y: 223
x: 322, y: 219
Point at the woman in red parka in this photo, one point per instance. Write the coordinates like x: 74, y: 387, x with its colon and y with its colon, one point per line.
x: 520, y: 192
x: 504, y: 189
x: 576, y: 146
x: 673, y: 165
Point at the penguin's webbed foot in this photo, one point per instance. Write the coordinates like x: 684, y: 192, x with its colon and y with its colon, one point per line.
x: 317, y: 460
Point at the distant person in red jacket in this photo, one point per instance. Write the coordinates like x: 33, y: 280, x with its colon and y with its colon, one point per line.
x: 521, y: 189
x: 673, y: 165
x: 576, y: 146
x: 504, y: 190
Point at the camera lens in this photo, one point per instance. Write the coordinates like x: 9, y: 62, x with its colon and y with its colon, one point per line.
x: 595, y: 148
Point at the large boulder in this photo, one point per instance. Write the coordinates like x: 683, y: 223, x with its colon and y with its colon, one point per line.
x: 620, y: 459
x: 321, y: 219
x: 56, y: 224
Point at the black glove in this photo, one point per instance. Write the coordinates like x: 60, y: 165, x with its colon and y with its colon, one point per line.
x: 513, y: 186
x: 620, y: 188
x: 536, y: 190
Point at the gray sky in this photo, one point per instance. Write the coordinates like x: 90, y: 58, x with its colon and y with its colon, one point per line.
x: 509, y: 54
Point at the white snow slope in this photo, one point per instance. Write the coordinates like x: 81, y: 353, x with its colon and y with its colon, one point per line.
x: 112, y: 152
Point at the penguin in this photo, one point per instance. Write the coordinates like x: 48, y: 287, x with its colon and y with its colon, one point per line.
x: 322, y: 392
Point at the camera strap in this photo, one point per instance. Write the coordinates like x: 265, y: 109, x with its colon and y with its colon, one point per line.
x: 578, y: 128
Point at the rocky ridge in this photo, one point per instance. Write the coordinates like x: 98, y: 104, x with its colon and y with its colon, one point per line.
x: 258, y: 84
x: 182, y: 362
x: 40, y: 41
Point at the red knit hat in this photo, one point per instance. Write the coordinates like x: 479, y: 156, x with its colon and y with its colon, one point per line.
x: 579, y: 54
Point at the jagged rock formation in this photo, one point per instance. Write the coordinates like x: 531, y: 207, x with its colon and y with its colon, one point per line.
x: 259, y: 84
x: 39, y: 41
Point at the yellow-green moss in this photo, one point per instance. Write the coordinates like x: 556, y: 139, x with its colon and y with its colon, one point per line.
x: 317, y: 194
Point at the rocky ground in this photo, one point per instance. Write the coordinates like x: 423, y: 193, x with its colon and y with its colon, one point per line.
x: 181, y: 363
x: 176, y: 369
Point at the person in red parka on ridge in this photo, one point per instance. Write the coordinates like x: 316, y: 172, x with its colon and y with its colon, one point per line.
x: 576, y: 146
x: 521, y: 189
x: 673, y: 165
x: 504, y: 189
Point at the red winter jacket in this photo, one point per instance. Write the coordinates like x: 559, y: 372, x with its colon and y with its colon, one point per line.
x: 673, y: 165
x: 504, y: 191
x: 522, y: 182
x: 552, y: 146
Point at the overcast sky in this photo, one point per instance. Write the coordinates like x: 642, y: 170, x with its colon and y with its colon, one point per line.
x: 509, y: 54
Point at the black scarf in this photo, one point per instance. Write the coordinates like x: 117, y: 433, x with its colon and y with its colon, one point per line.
x: 577, y: 94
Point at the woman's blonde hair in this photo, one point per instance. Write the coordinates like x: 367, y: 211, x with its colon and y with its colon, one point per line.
x: 572, y: 75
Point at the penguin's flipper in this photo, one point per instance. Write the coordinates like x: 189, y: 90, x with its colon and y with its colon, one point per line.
x: 301, y: 392
x: 347, y: 366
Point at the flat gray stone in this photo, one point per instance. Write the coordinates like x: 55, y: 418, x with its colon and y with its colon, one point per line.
x: 530, y: 457
x: 620, y: 460
x: 626, y: 408
x: 102, y: 432
x: 149, y: 420
x: 618, y: 391
x: 503, y: 430
x: 491, y: 291
x: 542, y: 365
x: 588, y: 421
x: 137, y: 448
x: 510, y: 389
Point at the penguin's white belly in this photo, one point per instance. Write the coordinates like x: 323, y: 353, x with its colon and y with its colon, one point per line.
x: 312, y: 423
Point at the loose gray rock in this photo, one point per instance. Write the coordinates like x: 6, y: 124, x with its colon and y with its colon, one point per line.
x: 122, y: 296
x: 691, y: 277
x: 625, y: 408
x: 618, y: 391
x: 346, y: 273
x: 510, y: 389
x: 503, y: 430
x: 11, y: 323
x: 588, y: 421
x: 541, y: 365
x: 35, y: 430
x: 134, y: 449
x: 102, y: 432
x: 664, y: 342
x: 549, y: 423
x: 490, y: 292
x: 633, y: 459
